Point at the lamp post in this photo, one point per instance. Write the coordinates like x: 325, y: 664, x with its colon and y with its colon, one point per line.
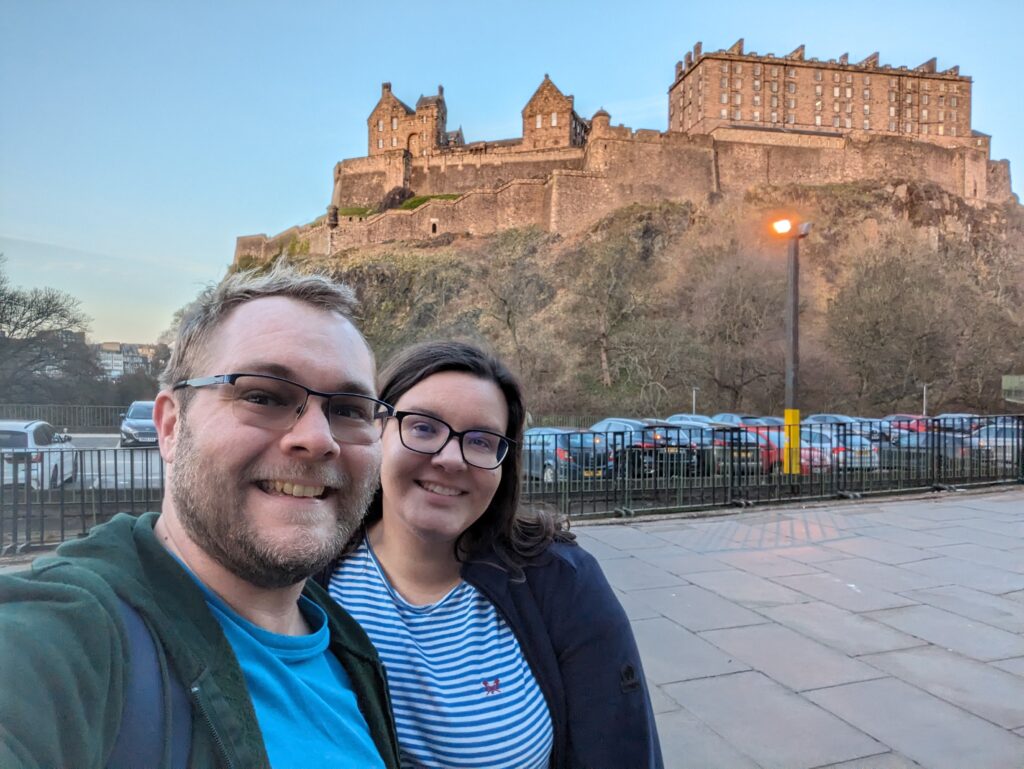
x: 786, y: 228
x: 693, y: 399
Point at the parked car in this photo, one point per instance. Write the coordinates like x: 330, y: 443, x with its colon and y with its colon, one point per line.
x: 773, y: 421
x: 917, y: 423
x: 957, y: 423
x: 927, y: 452
x: 689, y: 418
x: 1004, y: 444
x: 690, y: 448
x: 737, y: 419
x: 738, y: 450
x: 836, y: 424
x: 563, y: 453
x: 813, y: 459
x: 137, y: 427
x: 34, y: 453
x: 633, y: 446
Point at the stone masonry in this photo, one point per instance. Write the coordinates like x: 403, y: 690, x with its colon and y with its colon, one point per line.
x: 736, y: 120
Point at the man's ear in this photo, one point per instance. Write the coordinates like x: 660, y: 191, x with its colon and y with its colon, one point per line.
x: 166, y: 416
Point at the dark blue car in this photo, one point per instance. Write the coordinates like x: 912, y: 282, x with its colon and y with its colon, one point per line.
x: 563, y: 453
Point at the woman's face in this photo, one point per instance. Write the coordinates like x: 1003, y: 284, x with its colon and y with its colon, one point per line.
x: 437, y: 497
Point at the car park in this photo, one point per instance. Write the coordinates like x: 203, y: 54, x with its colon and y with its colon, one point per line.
x: 918, y: 423
x: 137, y: 426
x: 1004, y: 444
x: 737, y: 420
x: 920, y: 453
x: 689, y: 419
x: 634, y: 447
x: 957, y: 423
x: 563, y: 453
x: 35, y: 455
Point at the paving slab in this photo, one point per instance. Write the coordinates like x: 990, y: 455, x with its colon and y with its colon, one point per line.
x: 902, y: 536
x: 956, y: 571
x: 969, y: 535
x: 687, y: 742
x: 989, y: 556
x: 1015, y: 666
x: 695, y: 608
x: 843, y: 593
x: 951, y: 631
x: 747, y: 589
x: 789, y: 658
x: 884, y: 761
x: 624, y: 537
x: 893, y: 578
x: 671, y: 653
x: 882, y: 551
x: 678, y: 560
x: 809, y: 554
x: 981, y: 689
x: 844, y: 630
x: 765, y: 563
x: 764, y: 720
x: 994, y: 610
x: 921, y: 726
x: 633, y: 574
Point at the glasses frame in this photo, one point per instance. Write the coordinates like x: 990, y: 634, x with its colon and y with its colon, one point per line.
x: 398, y: 416
x: 230, y: 379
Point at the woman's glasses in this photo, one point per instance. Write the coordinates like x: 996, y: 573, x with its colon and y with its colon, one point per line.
x: 428, y: 435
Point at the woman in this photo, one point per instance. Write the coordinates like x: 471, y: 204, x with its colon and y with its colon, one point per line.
x: 504, y: 644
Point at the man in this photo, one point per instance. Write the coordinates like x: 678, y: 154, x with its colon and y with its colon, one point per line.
x: 271, y: 438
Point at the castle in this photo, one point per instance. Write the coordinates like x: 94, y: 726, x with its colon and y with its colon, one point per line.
x: 735, y: 120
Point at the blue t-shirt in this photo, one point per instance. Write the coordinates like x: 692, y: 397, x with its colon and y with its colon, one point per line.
x: 303, y: 697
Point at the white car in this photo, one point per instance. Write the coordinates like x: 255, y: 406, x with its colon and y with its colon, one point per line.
x: 35, y: 451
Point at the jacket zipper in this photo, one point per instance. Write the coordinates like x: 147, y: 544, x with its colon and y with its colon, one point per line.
x: 194, y: 689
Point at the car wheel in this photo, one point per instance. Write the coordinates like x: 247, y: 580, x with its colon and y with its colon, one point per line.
x: 548, y: 475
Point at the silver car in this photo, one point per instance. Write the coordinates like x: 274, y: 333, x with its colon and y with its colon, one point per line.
x: 34, y: 453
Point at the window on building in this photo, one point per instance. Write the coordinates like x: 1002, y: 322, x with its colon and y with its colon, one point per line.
x: 910, y: 98
x: 757, y: 114
x: 952, y: 117
x: 952, y: 101
x: 849, y: 92
x: 790, y: 103
x: 817, y: 120
x: 835, y: 77
x: 790, y: 118
x: 907, y: 112
x: 892, y: 112
x: 835, y: 91
x: 554, y: 119
x: 737, y: 82
x: 924, y: 98
x: 835, y: 121
x: 892, y: 96
x: 906, y: 128
x: 924, y: 114
x: 867, y: 80
x: 817, y: 105
x: 835, y: 106
x: 737, y: 114
x: 757, y: 85
x: 757, y: 69
x: 775, y: 117
x: 724, y: 98
x: 866, y: 95
x: 725, y: 67
x: 849, y: 122
x: 791, y: 87
x: 757, y: 100
x: 380, y: 144
x: 892, y: 125
x: 867, y: 109
x: 817, y: 90
x: 394, y: 123
x: 737, y: 98
x: 925, y: 127
x: 775, y: 101
x: 893, y: 82
x: 817, y: 75
x: 737, y: 68
x: 942, y: 114
x: 774, y: 86
x: 942, y: 100
x: 849, y: 106
x: 540, y: 120
x: 724, y: 112
x: 791, y: 72
x: 775, y: 71
x: 867, y: 125
x: 952, y: 130
x: 380, y: 125
x: 724, y: 82
x: 394, y: 141
x: 942, y: 130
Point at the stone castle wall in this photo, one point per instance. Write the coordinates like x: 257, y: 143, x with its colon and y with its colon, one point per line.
x: 566, y: 190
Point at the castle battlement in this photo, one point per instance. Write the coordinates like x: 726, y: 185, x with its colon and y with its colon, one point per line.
x: 736, y: 120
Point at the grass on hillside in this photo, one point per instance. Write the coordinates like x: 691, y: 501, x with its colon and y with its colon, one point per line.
x: 419, y: 200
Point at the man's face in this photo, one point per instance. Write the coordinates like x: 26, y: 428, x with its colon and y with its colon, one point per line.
x: 228, y: 479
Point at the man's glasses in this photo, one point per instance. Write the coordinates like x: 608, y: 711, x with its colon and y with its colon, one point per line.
x: 428, y: 435
x: 262, y: 400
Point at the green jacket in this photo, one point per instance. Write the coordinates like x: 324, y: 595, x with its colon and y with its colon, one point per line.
x: 63, y: 648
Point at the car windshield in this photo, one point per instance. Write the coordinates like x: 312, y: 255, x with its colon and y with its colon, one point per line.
x: 141, y: 411
x: 9, y: 439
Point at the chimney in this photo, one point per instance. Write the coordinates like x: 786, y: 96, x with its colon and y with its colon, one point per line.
x: 385, y: 88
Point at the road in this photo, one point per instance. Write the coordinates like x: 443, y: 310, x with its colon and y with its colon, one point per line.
x: 102, y: 467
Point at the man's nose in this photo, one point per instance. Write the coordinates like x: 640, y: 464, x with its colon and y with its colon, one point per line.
x: 311, y: 432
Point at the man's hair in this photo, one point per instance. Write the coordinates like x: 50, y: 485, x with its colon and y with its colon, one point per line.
x: 215, y: 303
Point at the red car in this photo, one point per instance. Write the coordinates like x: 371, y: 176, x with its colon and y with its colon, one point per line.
x: 915, y: 423
x: 772, y: 440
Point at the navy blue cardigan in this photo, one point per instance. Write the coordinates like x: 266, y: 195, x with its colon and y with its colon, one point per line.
x: 580, y: 647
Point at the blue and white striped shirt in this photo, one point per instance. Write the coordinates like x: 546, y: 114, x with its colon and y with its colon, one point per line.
x: 462, y: 692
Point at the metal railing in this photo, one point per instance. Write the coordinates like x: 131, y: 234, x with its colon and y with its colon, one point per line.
x: 82, y: 419
x: 50, y: 495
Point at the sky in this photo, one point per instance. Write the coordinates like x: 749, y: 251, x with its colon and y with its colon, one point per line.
x: 138, y: 138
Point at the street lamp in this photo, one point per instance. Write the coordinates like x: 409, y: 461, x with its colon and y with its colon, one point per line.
x: 793, y: 233
x: 693, y: 399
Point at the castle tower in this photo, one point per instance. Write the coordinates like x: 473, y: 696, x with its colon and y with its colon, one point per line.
x: 385, y: 123
x: 549, y: 119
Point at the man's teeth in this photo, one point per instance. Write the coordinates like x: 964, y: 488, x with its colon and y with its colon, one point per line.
x: 293, y: 489
x: 443, y: 490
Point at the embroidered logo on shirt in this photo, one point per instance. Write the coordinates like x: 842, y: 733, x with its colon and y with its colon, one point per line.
x: 494, y: 688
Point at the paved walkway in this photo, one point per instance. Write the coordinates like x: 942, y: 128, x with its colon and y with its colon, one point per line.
x: 885, y: 633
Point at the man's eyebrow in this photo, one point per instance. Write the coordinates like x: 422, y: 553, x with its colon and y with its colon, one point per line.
x: 286, y: 372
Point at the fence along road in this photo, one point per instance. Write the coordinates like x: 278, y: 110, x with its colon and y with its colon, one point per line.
x: 629, y: 478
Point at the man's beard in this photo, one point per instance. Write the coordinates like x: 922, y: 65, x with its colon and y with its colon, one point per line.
x: 210, y: 505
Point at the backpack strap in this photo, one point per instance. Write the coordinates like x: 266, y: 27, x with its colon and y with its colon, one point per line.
x: 144, y: 721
